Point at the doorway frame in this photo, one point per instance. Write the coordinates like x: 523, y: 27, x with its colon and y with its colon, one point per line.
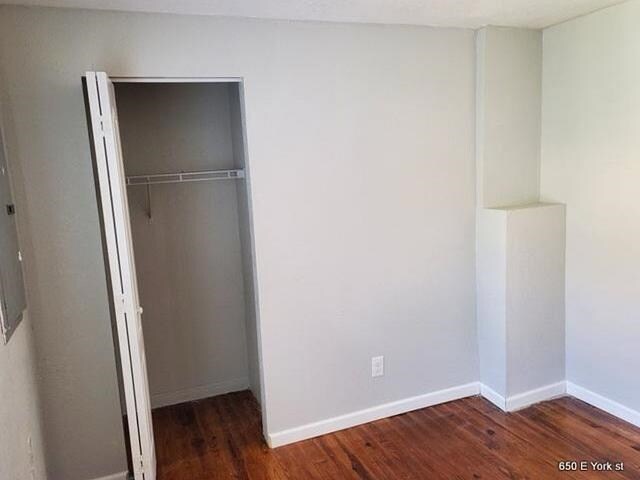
x: 240, y: 81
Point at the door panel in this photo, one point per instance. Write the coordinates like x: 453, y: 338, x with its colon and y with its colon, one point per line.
x: 122, y: 270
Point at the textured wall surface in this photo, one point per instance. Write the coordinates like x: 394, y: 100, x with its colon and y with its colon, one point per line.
x: 22, y: 452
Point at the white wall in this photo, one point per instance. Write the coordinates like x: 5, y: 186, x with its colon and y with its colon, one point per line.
x: 21, y: 449
x: 590, y: 145
x: 188, y: 255
x: 509, y: 76
x: 519, y: 305
x: 361, y: 146
x: 521, y: 328
x: 492, y: 298
x: 535, y: 297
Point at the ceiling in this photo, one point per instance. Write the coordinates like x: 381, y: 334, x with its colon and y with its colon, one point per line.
x: 450, y: 13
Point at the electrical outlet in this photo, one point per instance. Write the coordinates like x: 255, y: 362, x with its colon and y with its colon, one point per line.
x: 377, y: 366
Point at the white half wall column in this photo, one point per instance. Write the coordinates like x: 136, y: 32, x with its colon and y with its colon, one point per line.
x: 521, y: 302
x: 520, y: 250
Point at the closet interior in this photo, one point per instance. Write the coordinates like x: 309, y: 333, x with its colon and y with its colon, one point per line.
x: 183, y: 149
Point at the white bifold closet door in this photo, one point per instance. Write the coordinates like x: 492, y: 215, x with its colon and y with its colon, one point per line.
x: 122, y: 269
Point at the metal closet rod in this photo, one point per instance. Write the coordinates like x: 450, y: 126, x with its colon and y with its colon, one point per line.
x: 181, y: 177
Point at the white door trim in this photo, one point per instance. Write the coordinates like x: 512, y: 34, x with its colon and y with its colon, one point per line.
x: 176, y: 79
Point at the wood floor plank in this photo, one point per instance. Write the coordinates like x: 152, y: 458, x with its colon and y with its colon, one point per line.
x: 577, y: 432
x: 219, y: 459
x: 552, y: 446
x: 516, y: 453
x: 463, y: 454
x: 403, y: 451
x: 220, y: 438
x: 596, y: 418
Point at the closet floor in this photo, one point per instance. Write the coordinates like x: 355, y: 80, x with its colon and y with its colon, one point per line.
x: 219, y: 438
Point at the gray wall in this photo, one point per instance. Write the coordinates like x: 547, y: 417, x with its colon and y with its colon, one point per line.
x: 22, y: 451
x: 188, y: 255
x: 82, y: 431
x: 361, y: 147
x: 246, y: 238
x: 590, y: 145
x: 509, y: 92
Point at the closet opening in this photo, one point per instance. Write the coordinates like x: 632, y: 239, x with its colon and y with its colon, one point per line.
x: 186, y: 216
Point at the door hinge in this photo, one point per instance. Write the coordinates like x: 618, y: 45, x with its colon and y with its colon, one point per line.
x: 120, y: 302
x: 105, y: 126
x: 102, y: 127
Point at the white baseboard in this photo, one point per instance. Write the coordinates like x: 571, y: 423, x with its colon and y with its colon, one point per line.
x: 115, y: 476
x: 522, y: 400
x: 493, y: 396
x: 603, y: 403
x: 196, y: 393
x: 359, y: 417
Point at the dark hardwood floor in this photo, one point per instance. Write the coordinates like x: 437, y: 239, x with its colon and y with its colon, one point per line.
x: 219, y: 438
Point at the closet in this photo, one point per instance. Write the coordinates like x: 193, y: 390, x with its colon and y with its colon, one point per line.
x: 175, y: 203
